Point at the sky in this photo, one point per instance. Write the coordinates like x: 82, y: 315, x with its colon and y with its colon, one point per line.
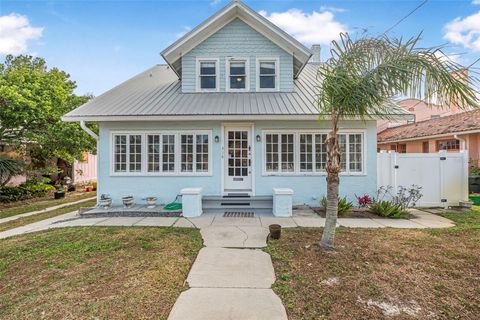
x: 103, y: 43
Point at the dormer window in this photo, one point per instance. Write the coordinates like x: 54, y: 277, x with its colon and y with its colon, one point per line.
x: 267, y: 70
x: 207, y: 75
x: 237, y: 79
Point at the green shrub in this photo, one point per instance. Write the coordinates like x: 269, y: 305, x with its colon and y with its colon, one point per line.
x: 387, y: 209
x: 27, y: 190
x: 475, y: 171
x: 343, y: 205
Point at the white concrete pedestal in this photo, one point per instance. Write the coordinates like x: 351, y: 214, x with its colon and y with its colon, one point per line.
x: 191, y: 202
x: 282, y: 202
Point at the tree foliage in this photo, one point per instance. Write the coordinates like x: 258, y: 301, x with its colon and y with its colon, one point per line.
x: 363, y: 78
x: 33, y: 99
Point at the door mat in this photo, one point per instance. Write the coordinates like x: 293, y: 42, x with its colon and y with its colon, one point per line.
x: 239, y: 214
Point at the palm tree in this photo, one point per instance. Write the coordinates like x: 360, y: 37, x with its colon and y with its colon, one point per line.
x: 362, y: 79
x: 8, y: 168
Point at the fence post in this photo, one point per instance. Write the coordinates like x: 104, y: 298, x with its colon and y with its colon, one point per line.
x: 442, y: 154
x: 393, y: 170
x: 464, y: 175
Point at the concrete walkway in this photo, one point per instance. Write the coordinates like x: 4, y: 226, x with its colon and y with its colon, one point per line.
x: 230, y: 278
x: 27, y: 214
x: 234, y: 232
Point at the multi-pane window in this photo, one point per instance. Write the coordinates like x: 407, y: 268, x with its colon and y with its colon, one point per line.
x: 135, y: 152
x: 271, y: 156
x: 267, y: 74
x: 120, y: 153
x: 168, y: 153
x: 208, y: 75
x: 303, y: 153
x: 162, y: 153
x: 355, y: 145
x: 452, y: 145
x: 201, y: 148
x: 280, y: 153
x: 306, y: 153
x: 186, y: 153
x: 127, y: 153
x: 153, y: 153
x: 237, y: 75
x: 320, y: 152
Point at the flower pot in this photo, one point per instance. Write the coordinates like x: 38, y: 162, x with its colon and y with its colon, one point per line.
x: 127, y: 201
x: 275, y: 231
x: 89, y: 189
x: 59, y: 195
x: 105, y: 203
x: 151, y: 201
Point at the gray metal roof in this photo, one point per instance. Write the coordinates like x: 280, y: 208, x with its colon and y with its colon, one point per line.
x: 155, y: 94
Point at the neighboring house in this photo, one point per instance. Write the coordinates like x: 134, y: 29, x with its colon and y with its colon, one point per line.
x: 233, y: 112
x: 421, y: 111
x: 451, y: 133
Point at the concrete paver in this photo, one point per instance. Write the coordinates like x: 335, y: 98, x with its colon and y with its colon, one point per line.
x: 184, y: 223
x: 228, y: 303
x: 399, y: 223
x: 202, y: 221
x: 359, y: 223
x: 156, y: 222
x: 120, y: 221
x: 231, y: 268
x: 244, y: 222
x: 310, y: 222
x: 234, y: 236
x: 284, y: 222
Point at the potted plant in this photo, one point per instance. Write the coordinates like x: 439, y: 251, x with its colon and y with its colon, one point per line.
x: 474, y: 180
x: 60, y: 191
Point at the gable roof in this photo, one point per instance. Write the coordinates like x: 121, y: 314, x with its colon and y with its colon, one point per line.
x: 156, y: 94
x: 236, y: 9
x: 448, y: 125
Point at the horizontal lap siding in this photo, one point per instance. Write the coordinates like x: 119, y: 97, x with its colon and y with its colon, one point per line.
x: 237, y: 39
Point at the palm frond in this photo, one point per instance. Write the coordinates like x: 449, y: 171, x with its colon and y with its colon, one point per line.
x: 8, y: 168
x: 363, y: 77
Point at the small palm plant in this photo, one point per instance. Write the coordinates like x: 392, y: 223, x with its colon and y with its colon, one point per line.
x: 8, y: 168
x: 362, y: 79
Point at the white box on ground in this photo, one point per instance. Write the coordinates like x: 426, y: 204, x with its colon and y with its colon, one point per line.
x: 191, y: 202
x: 282, y: 202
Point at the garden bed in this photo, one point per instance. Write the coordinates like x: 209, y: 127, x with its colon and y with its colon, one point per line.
x: 95, y: 273
x: 358, y: 213
x: 381, y: 273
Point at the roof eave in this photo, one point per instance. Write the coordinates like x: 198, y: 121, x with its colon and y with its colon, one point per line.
x: 432, y: 136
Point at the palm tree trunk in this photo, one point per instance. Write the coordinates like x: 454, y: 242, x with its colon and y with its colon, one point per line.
x: 333, y: 169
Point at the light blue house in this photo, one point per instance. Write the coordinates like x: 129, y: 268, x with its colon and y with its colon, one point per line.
x: 233, y: 113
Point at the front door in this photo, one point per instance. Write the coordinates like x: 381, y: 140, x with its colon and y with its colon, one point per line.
x: 238, y: 160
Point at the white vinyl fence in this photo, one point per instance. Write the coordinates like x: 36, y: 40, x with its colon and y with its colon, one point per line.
x: 85, y: 171
x: 443, y: 176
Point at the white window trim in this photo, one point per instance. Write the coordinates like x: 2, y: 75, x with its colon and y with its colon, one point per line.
x: 217, y: 74
x: 277, y: 74
x: 296, y: 158
x: 228, y: 60
x: 144, y: 171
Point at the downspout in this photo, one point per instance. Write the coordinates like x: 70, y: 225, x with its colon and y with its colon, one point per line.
x: 94, y: 136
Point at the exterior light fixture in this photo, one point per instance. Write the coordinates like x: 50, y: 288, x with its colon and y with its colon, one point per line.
x: 258, y: 138
x: 217, y: 139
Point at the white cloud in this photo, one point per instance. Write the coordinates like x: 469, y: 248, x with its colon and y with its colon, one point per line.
x: 309, y: 28
x: 453, y: 57
x: 15, y: 33
x: 476, y: 2
x: 334, y: 9
x: 465, y: 31
x: 215, y: 2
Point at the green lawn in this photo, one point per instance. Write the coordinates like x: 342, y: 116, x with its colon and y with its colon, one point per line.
x: 12, y: 209
x: 409, y: 274
x: 44, y: 215
x: 95, y: 273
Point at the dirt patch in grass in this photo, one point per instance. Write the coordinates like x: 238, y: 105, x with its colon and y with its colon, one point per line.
x: 382, y: 273
x: 19, y: 207
x: 45, y: 215
x: 95, y: 273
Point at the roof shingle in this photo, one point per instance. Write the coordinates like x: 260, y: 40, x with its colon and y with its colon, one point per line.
x: 457, y: 123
